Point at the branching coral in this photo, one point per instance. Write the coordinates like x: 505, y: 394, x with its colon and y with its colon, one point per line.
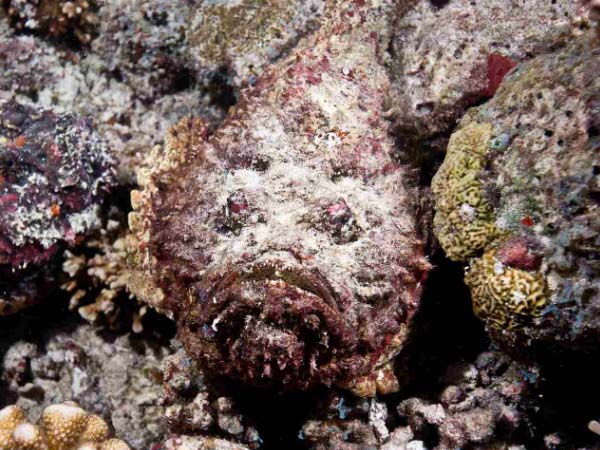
x: 285, y: 242
x: 63, y: 426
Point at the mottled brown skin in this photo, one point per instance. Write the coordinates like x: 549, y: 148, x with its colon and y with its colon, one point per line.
x: 55, y: 172
x: 285, y: 242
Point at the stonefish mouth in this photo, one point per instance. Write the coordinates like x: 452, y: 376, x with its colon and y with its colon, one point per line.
x: 270, y: 323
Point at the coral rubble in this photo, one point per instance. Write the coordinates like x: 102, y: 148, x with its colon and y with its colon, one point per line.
x: 55, y: 172
x: 517, y: 197
x: 116, y: 378
x: 197, y: 414
x: 481, y: 403
x: 285, y: 241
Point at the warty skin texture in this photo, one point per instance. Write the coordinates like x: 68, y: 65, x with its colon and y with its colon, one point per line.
x: 55, y: 173
x: 285, y: 242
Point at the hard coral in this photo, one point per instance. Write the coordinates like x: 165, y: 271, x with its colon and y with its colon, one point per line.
x: 464, y: 221
x: 285, y: 243
x: 55, y: 18
x: 533, y: 177
x: 115, y: 377
x: 63, y: 426
x: 504, y: 296
x: 54, y: 174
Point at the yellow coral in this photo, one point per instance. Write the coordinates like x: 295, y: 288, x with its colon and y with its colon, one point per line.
x: 501, y: 294
x: 464, y: 221
x: 64, y: 426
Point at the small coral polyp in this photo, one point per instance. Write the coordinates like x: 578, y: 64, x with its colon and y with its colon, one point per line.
x: 63, y: 426
x: 285, y: 242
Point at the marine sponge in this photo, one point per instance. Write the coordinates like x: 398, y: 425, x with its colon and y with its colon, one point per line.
x: 63, y: 426
x: 55, y: 172
x: 534, y: 269
x: 464, y: 219
x: 55, y: 18
x: 285, y: 242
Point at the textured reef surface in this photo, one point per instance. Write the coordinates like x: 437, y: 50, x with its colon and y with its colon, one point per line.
x: 517, y: 196
x: 299, y: 224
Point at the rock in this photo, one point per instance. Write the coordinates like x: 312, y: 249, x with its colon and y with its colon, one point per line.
x: 450, y: 55
x: 517, y: 198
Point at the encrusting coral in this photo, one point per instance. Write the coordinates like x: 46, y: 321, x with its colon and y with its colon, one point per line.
x: 63, y: 426
x: 285, y: 242
x: 517, y: 198
x: 55, y: 172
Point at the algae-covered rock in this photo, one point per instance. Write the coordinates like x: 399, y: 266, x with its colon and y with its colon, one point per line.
x: 241, y: 38
x: 517, y: 198
x: 449, y: 55
x: 55, y: 172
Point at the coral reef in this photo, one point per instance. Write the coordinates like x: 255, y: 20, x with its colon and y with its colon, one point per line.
x: 238, y: 39
x: 55, y: 18
x: 195, y: 411
x: 151, y: 64
x: 55, y: 172
x: 63, y: 426
x: 279, y: 158
x: 285, y: 241
x: 116, y: 377
x: 483, y: 403
x: 520, y: 183
x: 483, y: 40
